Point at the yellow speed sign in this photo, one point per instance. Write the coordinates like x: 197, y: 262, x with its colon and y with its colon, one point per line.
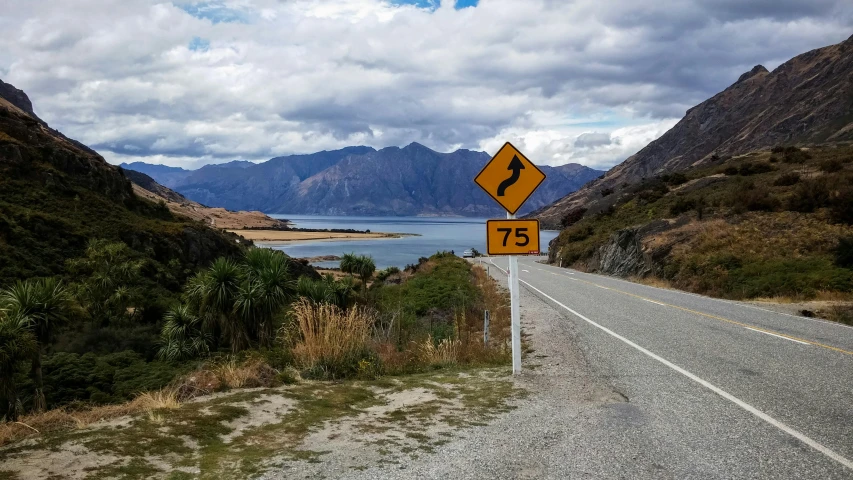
x: 512, y: 237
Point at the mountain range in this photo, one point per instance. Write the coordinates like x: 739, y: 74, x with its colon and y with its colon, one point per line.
x: 413, y: 180
x: 806, y: 100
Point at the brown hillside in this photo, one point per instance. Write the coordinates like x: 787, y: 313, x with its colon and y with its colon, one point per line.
x: 807, y: 100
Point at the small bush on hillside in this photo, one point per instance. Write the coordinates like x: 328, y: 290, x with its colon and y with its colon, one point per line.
x: 579, y: 234
x: 730, y: 171
x: 650, y: 192
x: 844, y: 252
x: 809, y: 196
x: 841, y: 206
x: 682, y: 205
x: 787, y: 179
x: 574, y: 216
x: 793, y: 155
x: 831, y: 166
x: 677, y: 178
x: 384, y: 274
x: 606, y: 191
x: 748, y: 197
x: 607, y: 212
x: 748, y: 169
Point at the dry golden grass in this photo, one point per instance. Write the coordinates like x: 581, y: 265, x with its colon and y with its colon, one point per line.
x: 820, y: 296
x: 229, y: 373
x: 329, y: 335
x: 251, y: 373
x: 65, y: 419
x: 445, y: 353
x: 653, y: 282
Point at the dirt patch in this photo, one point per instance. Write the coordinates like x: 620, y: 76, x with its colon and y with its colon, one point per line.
x: 265, y: 410
x: 329, y: 428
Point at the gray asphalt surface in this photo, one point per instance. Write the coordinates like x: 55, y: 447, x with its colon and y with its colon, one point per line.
x: 796, y: 372
x: 628, y: 381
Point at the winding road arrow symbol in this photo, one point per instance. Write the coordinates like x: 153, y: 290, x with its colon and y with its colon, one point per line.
x: 516, y: 166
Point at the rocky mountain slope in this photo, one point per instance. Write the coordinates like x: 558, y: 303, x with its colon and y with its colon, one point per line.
x: 806, y: 100
x: 769, y: 223
x: 56, y: 195
x: 146, y: 187
x: 413, y: 180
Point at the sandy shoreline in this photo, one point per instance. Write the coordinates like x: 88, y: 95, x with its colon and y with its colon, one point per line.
x: 279, y: 236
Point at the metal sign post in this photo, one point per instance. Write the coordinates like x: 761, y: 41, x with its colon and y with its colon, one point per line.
x: 510, y: 178
x: 514, y: 310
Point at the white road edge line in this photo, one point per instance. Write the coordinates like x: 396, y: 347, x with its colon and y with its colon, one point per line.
x: 740, y: 403
x: 652, y: 301
x: 780, y: 336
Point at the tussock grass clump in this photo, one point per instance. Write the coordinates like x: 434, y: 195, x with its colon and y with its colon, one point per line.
x: 61, y: 419
x: 332, y: 341
x: 443, y: 353
x: 252, y: 373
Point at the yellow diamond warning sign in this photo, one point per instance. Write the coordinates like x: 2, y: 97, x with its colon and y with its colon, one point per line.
x: 510, y: 178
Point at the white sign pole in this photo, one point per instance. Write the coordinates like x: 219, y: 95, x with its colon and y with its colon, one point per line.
x: 514, y: 309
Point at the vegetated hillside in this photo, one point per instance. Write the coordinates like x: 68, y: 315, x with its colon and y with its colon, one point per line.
x: 806, y: 100
x: 763, y: 224
x: 145, y: 187
x: 56, y: 195
x: 88, y: 270
x: 414, y: 180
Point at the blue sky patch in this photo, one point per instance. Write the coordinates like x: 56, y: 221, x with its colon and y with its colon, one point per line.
x: 198, y: 44
x: 433, y: 4
x: 215, y: 11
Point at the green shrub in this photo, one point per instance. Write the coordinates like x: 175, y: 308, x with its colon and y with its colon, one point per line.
x: 831, y: 166
x: 111, y: 378
x: 787, y: 277
x: 578, y: 234
x: 787, y: 179
x: 384, y: 274
x: 841, y: 206
x: 795, y: 155
x: 809, y: 196
x: 676, y: 178
x: 748, y: 197
x: 682, y: 205
x: 651, y: 191
x: 748, y: 169
x: 844, y: 252
x: 606, y: 192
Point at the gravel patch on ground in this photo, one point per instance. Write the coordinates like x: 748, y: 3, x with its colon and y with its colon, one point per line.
x: 527, y: 442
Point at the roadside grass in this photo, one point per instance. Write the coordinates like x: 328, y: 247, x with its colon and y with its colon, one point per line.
x: 246, y: 433
x: 322, y: 342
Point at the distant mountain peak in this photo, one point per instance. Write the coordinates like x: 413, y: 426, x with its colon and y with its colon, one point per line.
x: 755, y: 71
x: 416, y: 146
x: 18, y: 98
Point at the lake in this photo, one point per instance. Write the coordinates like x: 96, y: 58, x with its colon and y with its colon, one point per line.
x: 435, y: 234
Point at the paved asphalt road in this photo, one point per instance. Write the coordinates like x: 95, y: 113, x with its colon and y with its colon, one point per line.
x: 715, y: 389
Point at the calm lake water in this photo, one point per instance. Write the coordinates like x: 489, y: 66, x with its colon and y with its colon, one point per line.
x: 435, y: 234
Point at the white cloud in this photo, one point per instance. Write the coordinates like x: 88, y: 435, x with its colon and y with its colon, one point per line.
x: 307, y: 75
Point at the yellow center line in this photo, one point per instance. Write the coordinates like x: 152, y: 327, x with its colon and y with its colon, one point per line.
x: 723, y: 319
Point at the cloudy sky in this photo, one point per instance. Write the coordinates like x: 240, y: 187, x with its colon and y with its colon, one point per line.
x: 588, y: 81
